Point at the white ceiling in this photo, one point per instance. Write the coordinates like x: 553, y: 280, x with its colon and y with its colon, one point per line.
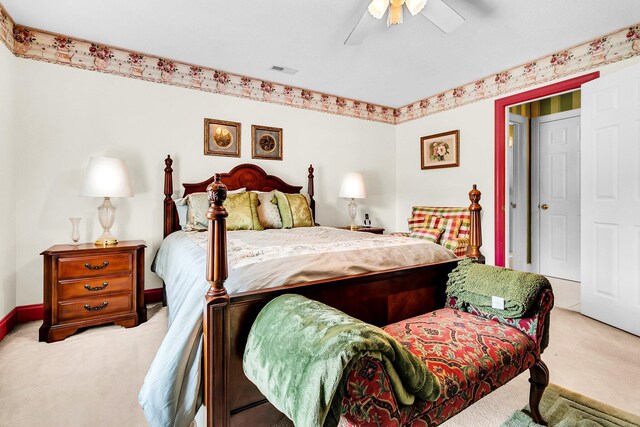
x: 393, y: 66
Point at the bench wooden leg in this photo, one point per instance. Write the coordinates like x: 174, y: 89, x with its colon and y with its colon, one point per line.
x: 539, y: 381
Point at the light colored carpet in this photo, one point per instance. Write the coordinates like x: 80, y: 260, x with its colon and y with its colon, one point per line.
x: 564, y: 408
x: 92, y: 378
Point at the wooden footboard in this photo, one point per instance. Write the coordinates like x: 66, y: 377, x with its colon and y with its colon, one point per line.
x: 378, y: 298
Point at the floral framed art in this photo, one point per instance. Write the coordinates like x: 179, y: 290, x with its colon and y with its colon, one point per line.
x: 221, y: 138
x: 441, y: 150
x: 266, y: 142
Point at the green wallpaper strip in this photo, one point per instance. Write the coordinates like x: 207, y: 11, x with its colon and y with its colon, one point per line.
x: 544, y: 107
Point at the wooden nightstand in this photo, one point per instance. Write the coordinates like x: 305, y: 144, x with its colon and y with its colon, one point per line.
x: 89, y: 285
x: 374, y: 230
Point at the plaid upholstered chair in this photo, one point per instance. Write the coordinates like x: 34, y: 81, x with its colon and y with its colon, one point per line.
x: 448, y: 226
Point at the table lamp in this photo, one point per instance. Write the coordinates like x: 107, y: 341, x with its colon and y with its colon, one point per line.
x: 106, y: 177
x: 353, y: 188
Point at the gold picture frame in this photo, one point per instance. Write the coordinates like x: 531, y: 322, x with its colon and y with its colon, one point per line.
x: 266, y: 142
x: 441, y: 150
x: 221, y: 138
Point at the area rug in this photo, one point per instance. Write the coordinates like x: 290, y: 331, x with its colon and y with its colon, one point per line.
x: 565, y: 408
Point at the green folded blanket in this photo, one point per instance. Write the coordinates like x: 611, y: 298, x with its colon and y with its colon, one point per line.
x: 299, y: 353
x: 476, y: 284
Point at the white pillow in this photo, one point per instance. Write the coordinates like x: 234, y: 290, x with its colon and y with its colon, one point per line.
x: 183, y: 208
x: 268, y: 212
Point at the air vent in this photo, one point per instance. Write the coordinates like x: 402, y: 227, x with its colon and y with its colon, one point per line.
x: 285, y: 70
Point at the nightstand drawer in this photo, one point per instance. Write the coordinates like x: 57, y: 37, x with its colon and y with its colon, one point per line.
x: 82, y: 288
x: 97, y: 306
x: 91, y: 266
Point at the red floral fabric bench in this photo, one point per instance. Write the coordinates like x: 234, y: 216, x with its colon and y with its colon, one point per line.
x: 471, y: 353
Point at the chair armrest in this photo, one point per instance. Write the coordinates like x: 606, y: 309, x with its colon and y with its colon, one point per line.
x: 458, y: 245
x: 533, y: 324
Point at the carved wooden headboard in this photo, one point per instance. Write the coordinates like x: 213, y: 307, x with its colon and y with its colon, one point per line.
x: 251, y: 177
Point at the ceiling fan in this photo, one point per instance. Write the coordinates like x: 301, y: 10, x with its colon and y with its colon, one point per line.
x: 436, y: 11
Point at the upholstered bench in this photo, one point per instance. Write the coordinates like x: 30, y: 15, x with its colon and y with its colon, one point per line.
x: 471, y: 353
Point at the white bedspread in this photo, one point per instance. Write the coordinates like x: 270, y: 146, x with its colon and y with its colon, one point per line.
x: 171, y: 393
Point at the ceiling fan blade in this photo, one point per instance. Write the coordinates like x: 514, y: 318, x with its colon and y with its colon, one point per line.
x: 442, y: 15
x: 365, y: 24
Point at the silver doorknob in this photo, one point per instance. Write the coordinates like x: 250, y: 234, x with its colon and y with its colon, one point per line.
x: 544, y: 206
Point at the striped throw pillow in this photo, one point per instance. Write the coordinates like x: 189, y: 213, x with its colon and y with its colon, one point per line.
x: 430, y: 234
x: 421, y: 221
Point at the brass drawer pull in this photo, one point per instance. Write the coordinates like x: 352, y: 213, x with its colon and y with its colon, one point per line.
x: 100, y: 307
x: 97, y: 267
x: 97, y: 288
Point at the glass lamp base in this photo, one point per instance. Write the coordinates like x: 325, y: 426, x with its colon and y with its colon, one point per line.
x: 107, y: 215
x: 353, y: 208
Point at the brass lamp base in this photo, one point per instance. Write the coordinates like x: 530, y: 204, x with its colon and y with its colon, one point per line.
x: 106, y: 239
x: 106, y: 242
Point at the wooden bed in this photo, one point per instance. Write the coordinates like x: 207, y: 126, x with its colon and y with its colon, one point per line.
x: 378, y: 298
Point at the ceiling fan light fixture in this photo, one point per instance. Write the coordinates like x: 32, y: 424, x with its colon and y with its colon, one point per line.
x: 415, y: 6
x: 377, y: 8
x: 395, y: 12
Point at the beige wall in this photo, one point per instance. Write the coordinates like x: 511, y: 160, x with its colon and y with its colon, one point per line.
x: 7, y: 205
x: 449, y: 186
x: 67, y: 115
x: 61, y: 116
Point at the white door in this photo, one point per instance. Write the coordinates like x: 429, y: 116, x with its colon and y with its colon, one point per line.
x: 610, y: 290
x: 518, y: 186
x: 557, y: 208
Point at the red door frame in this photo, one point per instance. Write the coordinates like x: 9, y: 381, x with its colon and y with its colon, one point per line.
x: 499, y: 150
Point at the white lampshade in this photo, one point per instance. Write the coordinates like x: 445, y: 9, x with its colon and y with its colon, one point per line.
x: 377, y: 8
x: 106, y: 177
x: 353, y: 186
x: 415, y: 6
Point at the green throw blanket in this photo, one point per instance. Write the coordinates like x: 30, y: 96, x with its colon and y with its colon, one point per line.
x: 299, y: 353
x: 475, y: 284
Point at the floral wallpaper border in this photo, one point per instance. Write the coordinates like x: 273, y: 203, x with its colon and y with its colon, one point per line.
x: 43, y: 46
x: 59, y: 49
x: 6, y: 28
x: 613, y: 47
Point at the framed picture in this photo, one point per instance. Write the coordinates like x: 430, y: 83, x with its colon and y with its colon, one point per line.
x: 441, y: 150
x: 266, y: 142
x: 221, y: 138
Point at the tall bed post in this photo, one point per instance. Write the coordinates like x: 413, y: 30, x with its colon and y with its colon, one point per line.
x: 216, y: 311
x: 475, y: 234
x: 311, y: 191
x: 169, y: 207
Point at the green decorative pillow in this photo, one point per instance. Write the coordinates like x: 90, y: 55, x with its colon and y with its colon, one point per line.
x: 238, y: 204
x: 294, y: 210
x: 300, y: 210
x: 255, y: 219
x: 240, y: 212
x: 284, y: 209
x: 268, y: 212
